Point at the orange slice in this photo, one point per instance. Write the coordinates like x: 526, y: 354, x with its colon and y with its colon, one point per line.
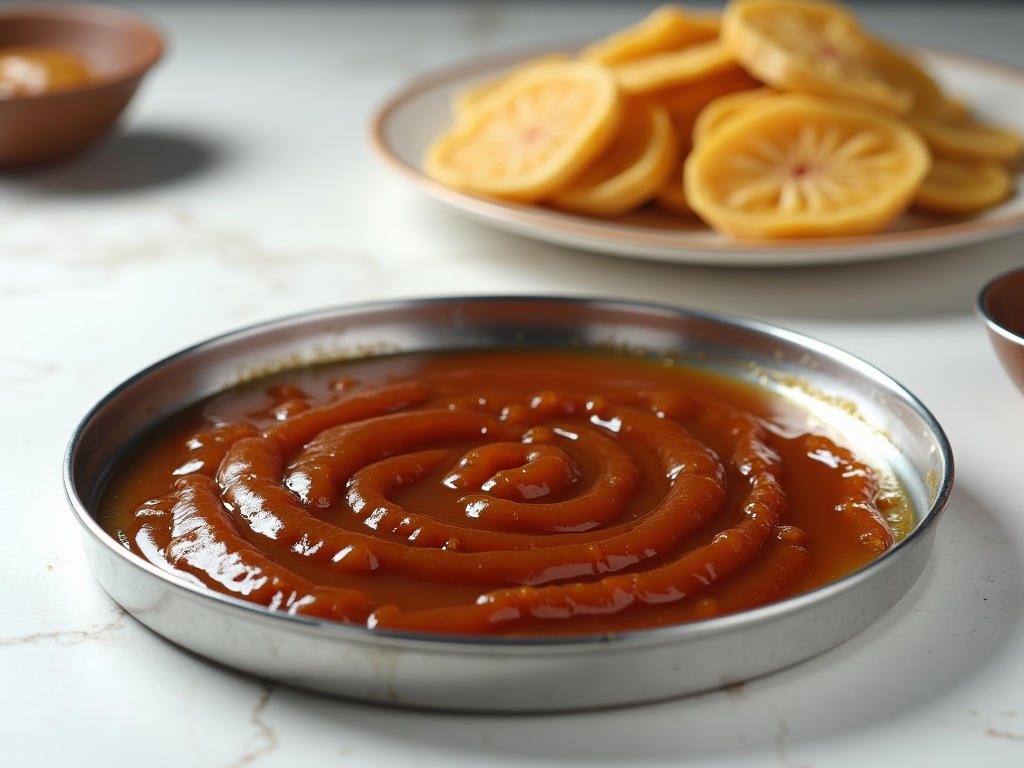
x: 963, y: 186
x: 968, y: 138
x: 808, y: 45
x: 667, y: 28
x: 797, y: 165
x: 631, y: 171
x: 532, y: 135
x: 665, y: 70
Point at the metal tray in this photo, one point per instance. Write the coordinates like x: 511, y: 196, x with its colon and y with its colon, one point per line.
x: 874, y: 414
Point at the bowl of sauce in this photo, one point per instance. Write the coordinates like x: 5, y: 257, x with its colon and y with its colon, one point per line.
x: 508, y: 504
x: 66, y: 73
x: 1001, y: 306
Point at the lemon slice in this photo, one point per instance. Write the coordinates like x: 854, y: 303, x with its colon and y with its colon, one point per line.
x: 665, y: 70
x: 724, y: 107
x: 631, y: 171
x: 967, y: 138
x: 796, y: 165
x: 532, y: 135
x: 808, y: 45
x: 963, y: 186
x: 666, y: 28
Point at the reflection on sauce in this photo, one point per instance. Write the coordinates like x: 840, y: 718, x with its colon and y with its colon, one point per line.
x: 518, y: 492
x: 37, y: 70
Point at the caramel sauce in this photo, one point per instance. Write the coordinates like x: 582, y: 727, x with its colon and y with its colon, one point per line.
x: 501, y: 492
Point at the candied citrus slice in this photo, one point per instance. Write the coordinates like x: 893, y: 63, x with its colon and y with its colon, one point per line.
x: 963, y: 186
x: 904, y: 73
x: 672, y: 196
x: 808, y: 45
x: 685, y: 102
x: 664, y: 70
x: 466, y: 98
x: 968, y: 138
x: 796, y: 165
x: 666, y: 28
x: 958, y: 109
x: 632, y: 169
x: 532, y: 135
x: 724, y: 107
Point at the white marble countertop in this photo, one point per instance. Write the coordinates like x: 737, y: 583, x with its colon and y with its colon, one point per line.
x: 241, y: 189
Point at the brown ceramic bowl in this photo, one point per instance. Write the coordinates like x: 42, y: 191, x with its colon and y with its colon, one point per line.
x: 1001, y: 306
x: 118, y: 47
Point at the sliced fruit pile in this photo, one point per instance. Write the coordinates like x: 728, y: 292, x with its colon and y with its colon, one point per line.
x: 776, y: 118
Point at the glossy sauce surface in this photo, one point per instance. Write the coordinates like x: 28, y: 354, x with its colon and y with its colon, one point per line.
x: 505, y: 492
x: 38, y: 70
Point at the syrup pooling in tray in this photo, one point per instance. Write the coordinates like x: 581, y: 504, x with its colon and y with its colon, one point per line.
x: 502, y: 492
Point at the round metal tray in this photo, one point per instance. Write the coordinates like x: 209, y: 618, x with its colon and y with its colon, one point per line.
x: 874, y: 414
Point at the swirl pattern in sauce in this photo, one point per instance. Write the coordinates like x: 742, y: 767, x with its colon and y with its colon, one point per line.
x: 518, y: 492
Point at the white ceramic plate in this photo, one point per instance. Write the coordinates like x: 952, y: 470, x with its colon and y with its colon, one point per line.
x: 405, y: 125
